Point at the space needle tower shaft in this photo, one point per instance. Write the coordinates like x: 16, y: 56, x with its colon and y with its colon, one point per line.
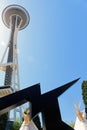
x: 15, y: 18
x: 15, y: 22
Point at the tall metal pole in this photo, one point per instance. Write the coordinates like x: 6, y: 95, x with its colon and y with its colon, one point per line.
x: 16, y: 18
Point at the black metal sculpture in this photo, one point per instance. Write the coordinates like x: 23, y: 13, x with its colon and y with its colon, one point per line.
x: 46, y: 103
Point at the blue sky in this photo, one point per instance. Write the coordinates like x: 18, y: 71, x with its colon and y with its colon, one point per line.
x: 52, y: 48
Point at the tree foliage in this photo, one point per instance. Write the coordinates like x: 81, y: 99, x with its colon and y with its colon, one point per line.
x: 84, y: 92
x: 3, y: 121
x: 84, y: 95
x: 16, y: 125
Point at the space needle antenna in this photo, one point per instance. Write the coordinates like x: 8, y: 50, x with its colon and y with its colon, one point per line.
x: 16, y: 18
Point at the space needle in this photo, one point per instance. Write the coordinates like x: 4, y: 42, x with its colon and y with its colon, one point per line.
x: 15, y: 17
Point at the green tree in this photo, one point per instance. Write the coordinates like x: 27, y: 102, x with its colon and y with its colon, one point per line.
x: 3, y: 121
x: 16, y: 125
x: 84, y: 95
